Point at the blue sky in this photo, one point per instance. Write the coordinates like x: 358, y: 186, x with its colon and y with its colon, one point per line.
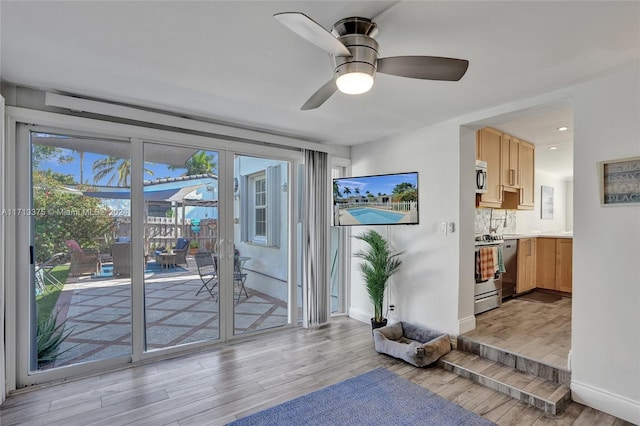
x: 73, y: 168
x: 383, y: 184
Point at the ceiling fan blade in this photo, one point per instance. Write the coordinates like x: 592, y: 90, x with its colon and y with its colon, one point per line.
x: 313, y: 32
x: 321, y: 95
x: 424, y: 67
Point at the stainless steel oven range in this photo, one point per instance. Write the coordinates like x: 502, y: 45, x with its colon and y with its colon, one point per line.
x: 487, y: 293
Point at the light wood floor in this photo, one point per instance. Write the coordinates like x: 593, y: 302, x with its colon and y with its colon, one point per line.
x: 541, y: 331
x: 220, y: 385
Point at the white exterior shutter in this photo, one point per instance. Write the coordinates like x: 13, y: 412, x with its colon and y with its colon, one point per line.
x: 274, y: 200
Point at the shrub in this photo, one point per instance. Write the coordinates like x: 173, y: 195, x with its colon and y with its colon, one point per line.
x: 49, y: 336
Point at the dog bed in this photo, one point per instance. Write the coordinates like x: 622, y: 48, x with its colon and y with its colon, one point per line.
x: 416, y: 345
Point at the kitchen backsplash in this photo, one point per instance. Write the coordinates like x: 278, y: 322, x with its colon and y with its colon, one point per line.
x: 486, y: 220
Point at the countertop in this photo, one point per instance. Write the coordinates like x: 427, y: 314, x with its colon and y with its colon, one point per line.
x: 538, y: 235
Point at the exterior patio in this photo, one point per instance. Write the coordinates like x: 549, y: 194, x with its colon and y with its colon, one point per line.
x: 88, y: 224
x: 98, y: 311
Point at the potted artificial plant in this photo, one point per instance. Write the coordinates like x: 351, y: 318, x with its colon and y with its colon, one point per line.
x: 379, y: 263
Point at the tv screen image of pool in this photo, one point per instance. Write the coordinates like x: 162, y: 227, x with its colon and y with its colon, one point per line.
x: 390, y: 199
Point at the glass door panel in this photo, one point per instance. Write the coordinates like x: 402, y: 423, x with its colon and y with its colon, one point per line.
x: 261, y: 244
x: 181, y: 288
x: 80, y: 300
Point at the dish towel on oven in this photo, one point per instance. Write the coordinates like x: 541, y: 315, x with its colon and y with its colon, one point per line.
x: 501, y: 268
x: 487, y: 265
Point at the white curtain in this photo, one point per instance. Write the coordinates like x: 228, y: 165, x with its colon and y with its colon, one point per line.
x: 316, y: 239
x: 2, y: 243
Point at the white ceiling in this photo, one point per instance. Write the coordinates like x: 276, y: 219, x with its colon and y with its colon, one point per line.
x: 233, y: 62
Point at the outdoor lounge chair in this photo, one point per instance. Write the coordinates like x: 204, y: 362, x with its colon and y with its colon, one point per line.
x: 121, y: 255
x: 83, y: 261
x: 44, y: 273
x: 208, y: 273
x: 180, y: 249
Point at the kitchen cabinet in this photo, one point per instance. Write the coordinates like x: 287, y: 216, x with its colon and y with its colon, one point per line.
x: 510, y: 170
x: 526, y: 167
x: 554, y: 260
x: 546, y: 263
x: 521, y: 197
x: 489, y: 149
x: 526, y: 275
x: 564, y: 264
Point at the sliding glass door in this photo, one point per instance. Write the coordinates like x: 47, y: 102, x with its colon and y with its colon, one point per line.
x: 79, y: 298
x: 261, y: 244
x: 181, y: 279
x: 135, y: 248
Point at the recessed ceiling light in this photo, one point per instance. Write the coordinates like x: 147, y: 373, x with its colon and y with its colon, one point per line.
x: 563, y: 128
x: 553, y: 148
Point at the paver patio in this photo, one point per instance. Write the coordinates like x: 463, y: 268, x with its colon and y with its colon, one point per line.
x: 99, y: 312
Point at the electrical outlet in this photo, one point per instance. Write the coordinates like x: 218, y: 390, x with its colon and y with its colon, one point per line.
x: 393, y: 313
x: 452, y: 228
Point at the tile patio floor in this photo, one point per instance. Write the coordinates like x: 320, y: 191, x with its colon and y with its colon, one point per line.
x: 99, y: 310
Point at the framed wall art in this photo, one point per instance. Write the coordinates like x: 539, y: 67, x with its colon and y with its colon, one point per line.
x: 546, y: 202
x: 620, y: 182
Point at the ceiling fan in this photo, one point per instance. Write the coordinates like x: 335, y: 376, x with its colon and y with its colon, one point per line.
x: 354, y: 56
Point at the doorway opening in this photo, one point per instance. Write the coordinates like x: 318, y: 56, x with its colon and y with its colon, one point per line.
x: 534, y: 318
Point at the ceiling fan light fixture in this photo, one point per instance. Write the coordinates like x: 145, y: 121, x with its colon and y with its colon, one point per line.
x: 354, y: 55
x: 354, y: 83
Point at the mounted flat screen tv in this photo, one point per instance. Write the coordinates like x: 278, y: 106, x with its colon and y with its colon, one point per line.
x: 390, y: 199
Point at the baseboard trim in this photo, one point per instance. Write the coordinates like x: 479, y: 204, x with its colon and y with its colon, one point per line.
x: 466, y: 324
x: 359, y: 315
x: 616, y: 405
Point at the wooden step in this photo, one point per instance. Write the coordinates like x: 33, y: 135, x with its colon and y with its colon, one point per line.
x: 547, y: 395
x: 541, y: 369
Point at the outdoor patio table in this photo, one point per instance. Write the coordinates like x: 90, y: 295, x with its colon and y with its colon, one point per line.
x: 168, y: 260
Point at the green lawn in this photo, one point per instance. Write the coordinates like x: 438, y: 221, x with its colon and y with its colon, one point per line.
x: 46, y: 301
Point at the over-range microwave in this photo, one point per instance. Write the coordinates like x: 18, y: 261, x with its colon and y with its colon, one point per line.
x: 481, y: 177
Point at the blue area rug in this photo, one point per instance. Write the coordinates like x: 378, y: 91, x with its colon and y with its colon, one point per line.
x: 378, y: 397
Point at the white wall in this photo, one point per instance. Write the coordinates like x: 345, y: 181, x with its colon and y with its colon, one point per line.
x: 425, y: 290
x: 606, y: 268
x: 530, y: 220
x: 569, y: 206
x: 432, y: 287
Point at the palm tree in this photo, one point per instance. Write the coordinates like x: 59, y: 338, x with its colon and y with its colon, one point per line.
x: 119, y: 167
x: 81, y: 155
x: 346, y: 191
x: 199, y: 163
x: 336, y: 190
x: 357, y: 191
